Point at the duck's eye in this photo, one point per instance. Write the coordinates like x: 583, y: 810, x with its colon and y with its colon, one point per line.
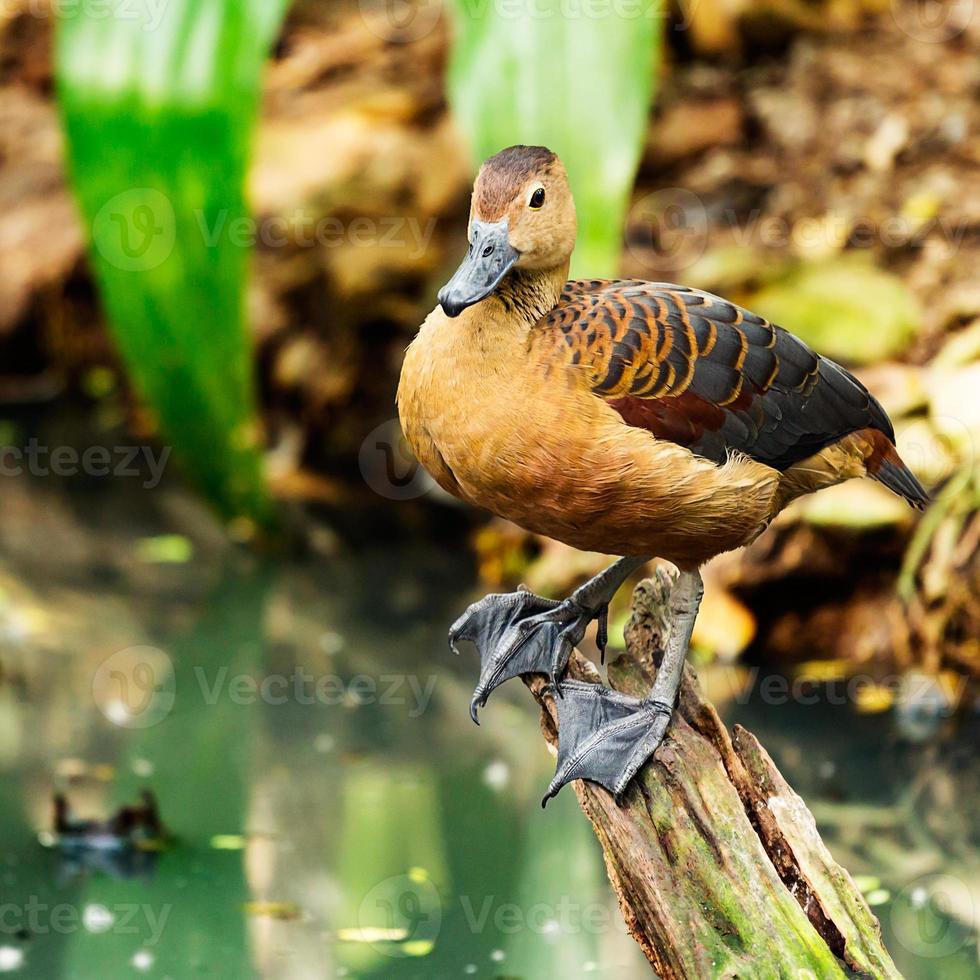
x: 537, y: 199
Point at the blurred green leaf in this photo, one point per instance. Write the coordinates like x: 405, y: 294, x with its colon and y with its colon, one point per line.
x: 845, y: 308
x: 159, y: 105
x: 577, y: 81
x: 170, y: 549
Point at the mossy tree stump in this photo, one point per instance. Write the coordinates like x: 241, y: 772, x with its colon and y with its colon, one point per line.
x: 717, y: 863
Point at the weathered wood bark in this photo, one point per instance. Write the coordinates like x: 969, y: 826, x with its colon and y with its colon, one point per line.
x: 717, y: 863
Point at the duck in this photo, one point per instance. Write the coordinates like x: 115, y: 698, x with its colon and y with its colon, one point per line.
x: 636, y: 419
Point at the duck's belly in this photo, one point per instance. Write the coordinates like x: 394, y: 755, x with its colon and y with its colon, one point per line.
x: 565, y: 465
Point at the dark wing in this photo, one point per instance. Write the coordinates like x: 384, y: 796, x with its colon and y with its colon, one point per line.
x: 706, y: 374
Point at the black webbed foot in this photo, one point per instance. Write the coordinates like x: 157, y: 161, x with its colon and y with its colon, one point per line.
x: 520, y: 633
x: 605, y: 736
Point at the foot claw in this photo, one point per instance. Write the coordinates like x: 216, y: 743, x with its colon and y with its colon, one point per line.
x: 605, y: 736
x: 519, y: 633
x: 602, y: 632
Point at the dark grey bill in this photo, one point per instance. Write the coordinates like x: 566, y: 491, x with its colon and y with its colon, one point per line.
x: 486, y: 263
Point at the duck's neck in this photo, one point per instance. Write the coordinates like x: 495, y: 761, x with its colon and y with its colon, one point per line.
x: 530, y: 293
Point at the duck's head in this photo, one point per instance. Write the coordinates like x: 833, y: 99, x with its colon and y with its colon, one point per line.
x: 522, y: 216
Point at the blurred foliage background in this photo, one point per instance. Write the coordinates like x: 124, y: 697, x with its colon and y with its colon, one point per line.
x: 222, y: 223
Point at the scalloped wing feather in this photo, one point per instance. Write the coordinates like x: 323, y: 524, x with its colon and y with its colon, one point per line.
x: 706, y: 374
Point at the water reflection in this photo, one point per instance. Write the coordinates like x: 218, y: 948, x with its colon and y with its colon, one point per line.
x: 304, y: 727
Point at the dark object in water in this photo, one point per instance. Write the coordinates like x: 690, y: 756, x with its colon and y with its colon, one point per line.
x: 124, y: 845
x: 128, y: 826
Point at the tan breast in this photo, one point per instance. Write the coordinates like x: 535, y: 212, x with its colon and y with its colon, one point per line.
x: 500, y: 422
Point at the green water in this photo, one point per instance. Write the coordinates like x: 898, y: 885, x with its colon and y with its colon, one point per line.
x: 336, y: 813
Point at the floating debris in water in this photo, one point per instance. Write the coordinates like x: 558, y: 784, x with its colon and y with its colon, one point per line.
x: 97, y: 918
x: 324, y: 742
x: 11, y: 958
x: 399, y: 935
x: 128, y: 826
x: 284, y: 911
x: 142, y: 768
x: 142, y: 960
x: 497, y: 774
x: 372, y: 934
x: 72, y: 769
x: 418, y: 947
x: 123, y: 845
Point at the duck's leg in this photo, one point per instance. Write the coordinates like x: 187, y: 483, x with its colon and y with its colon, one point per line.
x: 523, y: 633
x: 606, y: 736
